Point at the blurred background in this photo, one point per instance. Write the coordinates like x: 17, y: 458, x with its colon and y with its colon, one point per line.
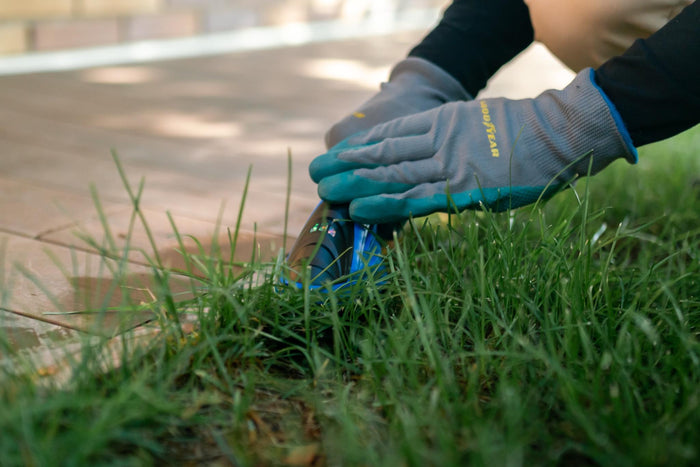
x: 43, y: 25
x: 192, y: 93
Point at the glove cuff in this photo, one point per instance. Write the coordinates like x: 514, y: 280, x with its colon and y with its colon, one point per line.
x: 414, y: 71
x: 632, y: 155
x: 580, y: 126
x: 603, y: 126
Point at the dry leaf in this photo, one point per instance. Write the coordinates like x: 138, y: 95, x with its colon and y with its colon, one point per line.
x: 303, y: 455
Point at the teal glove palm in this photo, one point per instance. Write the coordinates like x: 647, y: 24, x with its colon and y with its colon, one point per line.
x: 415, y: 85
x: 495, y: 153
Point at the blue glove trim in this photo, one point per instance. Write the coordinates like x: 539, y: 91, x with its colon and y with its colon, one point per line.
x: 330, y: 163
x: 346, y: 186
x: 389, y: 209
x: 622, y: 129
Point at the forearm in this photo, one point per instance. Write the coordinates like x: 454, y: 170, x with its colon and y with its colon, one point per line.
x: 655, y: 84
x: 475, y: 38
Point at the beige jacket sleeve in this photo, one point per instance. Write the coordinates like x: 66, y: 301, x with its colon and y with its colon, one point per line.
x: 584, y: 33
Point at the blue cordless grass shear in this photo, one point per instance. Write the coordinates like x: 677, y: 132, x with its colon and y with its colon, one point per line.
x: 334, y: 251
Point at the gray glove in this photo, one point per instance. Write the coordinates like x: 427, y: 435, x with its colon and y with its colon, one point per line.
x: 414, y: 85
x: 497, y: 153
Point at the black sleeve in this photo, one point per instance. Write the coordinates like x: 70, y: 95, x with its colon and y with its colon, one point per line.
x: 475, y: 38
x: 655, y: 84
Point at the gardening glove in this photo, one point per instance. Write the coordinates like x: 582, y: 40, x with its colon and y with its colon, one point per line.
x: 493, y: 153
x: 414, y: 85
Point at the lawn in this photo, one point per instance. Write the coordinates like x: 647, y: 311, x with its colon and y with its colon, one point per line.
x: 566, y: 333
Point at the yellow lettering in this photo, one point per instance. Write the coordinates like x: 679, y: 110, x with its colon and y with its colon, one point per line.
x: 490, y: 129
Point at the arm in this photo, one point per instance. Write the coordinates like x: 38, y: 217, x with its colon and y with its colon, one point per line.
x: 655, y: 84
x: 475, y: 38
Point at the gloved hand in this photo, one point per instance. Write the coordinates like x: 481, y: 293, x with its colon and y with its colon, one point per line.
x: 414, y: 85
x: 498, y: 153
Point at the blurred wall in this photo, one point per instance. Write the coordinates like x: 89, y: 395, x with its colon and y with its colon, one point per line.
x: 41, y: 25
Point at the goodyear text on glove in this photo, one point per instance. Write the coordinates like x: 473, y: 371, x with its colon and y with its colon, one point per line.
x: 490, y: 128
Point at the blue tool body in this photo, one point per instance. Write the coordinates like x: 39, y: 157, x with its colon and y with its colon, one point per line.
x: 333, y: 251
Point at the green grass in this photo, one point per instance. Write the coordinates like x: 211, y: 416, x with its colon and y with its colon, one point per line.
x: 561, y: 334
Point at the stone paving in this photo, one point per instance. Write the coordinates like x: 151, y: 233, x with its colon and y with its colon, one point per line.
x: 191, y: 129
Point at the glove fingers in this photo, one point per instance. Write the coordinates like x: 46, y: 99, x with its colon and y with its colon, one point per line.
x: 387, y: 208
x: 411, y: 125
x: 396, y: 178
x: 343, y: 187
x: 330, y: 163
x: 390, y: 151
x: 375, y: 112
x: 343, y: 157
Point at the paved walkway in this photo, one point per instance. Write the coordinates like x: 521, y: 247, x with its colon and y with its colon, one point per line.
x: 191, y: 129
